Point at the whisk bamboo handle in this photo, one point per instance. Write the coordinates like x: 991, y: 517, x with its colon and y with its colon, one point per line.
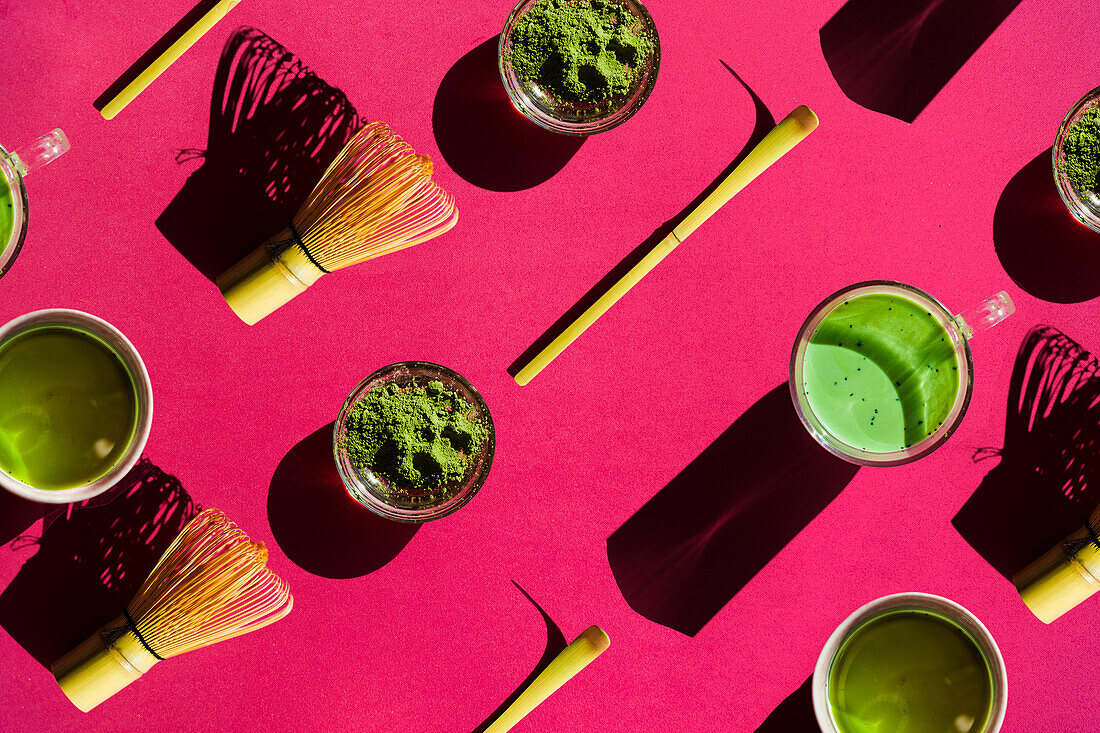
x: 104, y: 663
x: 267, y: 279
x: 1065, y: 576
x: 777, y: 143
x: 575, y: 657
x: 166, y: 59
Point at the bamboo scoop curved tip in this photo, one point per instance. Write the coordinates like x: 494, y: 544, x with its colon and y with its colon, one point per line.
x: 792, y: 130
x: 575, y: 657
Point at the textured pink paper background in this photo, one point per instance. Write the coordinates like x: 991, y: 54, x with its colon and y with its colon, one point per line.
x: 437, y: 638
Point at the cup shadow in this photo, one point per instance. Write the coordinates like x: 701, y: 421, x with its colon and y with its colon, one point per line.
x: 486, y: 140
x: 91, y: 559
x: 895, y: 57
x: 793, y: 715
x: 764, y: 122
x: 319, y: 527
x: 685, y: 554
x: 555, y: 643
x: 274, y: 128
x: 1048, y: 478
x: 1042, y: 247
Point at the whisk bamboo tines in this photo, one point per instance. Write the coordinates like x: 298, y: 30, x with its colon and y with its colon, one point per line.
x: 377, y: 197
x: 211, y: 584
x: 1065, y: 576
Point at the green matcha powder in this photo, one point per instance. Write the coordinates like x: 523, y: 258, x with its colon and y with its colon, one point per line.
x: 579, y: 50
x: 1082, y: 152
x: 419, y: 439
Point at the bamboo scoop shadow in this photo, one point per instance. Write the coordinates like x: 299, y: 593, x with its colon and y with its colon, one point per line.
x: 173, y: 35
x: 1042, y: 247
x: 483, y: 138
x: 91, y: 559
x: 795, y: 714
x: 1048, y: 479
x: 274, y: 128
x: 895, y: 57
x: 319, y: 527
x: 685, y: 554
x: 555, y: 643
x: 764, y: 123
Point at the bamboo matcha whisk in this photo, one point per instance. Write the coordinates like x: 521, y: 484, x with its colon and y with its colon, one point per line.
x: 211, y: 584
x: 1065, y: 576
x: 376, y: 197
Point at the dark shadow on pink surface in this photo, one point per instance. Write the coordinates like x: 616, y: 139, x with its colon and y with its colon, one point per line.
x: 894, y: 57
x: 318, y: 525
x: 764, y: 122
x: 486, y: 140
x: 555, y: 643
x: 91, y: 559
x: 795, y: 714
x: 685, y: 554
x: 17, y: 514
x: 1042, y: 247
x: 1048, y: 479
x: 162, y: 45
x: 274, y: 128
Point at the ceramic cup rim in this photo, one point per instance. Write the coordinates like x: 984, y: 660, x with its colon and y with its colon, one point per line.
x: 938, y: 605
x: 143, y: 390
x: 817, y: 428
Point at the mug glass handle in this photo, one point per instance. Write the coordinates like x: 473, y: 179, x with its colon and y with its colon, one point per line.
x: 40, y: 152
x: 987, y: 314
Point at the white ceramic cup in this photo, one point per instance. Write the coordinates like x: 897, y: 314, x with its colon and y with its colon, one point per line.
x: 142, y: 388
x: 902, y: 602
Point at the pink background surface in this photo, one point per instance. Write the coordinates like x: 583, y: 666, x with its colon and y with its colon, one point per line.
x: 439, y: 637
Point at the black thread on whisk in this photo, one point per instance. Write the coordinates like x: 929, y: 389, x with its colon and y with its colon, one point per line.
x: 1092, y: 533
x: 133, y: 626
x: 298, y: 240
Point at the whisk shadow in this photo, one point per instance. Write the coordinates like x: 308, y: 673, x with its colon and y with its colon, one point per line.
x: 685, y: 554
x: 174, y: 33
x: 1048, y: 478
x: 319, y: 527
x: 1041, y: 246
x: 555, y: 643
x: 793, y: 715
x: 274, y: 128
x: 895, y: 57
x: 764, y: 123
x: 91, y: 559
x: 483, y: 138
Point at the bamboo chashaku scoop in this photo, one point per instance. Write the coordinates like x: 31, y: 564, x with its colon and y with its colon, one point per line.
x: 590, y: 644
x: 377, y: 197
x: 783, y: 137
x: 211, y: 584
x: 1065, y: 576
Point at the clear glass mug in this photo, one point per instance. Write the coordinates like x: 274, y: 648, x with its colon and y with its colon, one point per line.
x: 13, y: 167
x: 846, y: 424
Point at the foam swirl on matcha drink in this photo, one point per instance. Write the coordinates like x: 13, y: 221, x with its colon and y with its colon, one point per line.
x: 881, y: 372
x: 68, y: 407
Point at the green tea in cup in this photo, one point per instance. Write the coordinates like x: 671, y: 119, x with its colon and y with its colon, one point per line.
x: 910, y: 663
x: 881, y: 371
x: 13, y: 194
x: 75, y: 406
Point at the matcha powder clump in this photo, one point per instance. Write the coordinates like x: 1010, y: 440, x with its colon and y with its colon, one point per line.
x: 579, y: 50
x: 1082, y: 152
x: 419, y: 439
